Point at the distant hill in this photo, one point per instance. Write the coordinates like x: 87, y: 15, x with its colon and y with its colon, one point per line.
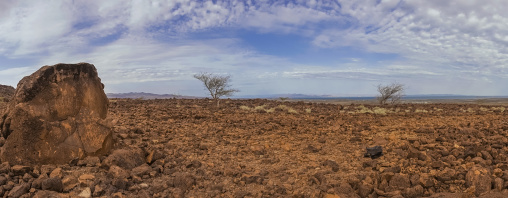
x: 6, y: 91
x: 143, y: 95
x: 291, y: 96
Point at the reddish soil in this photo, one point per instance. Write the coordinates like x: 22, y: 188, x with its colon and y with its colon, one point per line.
x: 300, y: 150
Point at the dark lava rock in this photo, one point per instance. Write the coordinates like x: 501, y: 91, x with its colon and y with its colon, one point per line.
x: 374, y: 152
x: 52, y: 184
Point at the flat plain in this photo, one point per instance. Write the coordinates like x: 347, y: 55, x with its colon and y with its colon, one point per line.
x: 268, y: 148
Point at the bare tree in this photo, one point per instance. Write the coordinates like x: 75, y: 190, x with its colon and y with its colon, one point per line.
x: 390, y: 93
x: 217, y: 85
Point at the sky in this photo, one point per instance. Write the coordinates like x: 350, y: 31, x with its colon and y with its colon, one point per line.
x: 318, y: 47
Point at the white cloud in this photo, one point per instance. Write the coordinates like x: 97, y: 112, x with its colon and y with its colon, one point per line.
x: 149, y: 41
x: 436, y: 33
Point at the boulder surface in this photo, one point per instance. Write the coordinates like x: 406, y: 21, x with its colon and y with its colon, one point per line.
x: 57, y: 114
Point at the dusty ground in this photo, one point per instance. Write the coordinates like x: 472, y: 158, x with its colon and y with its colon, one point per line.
x: 265, y: 148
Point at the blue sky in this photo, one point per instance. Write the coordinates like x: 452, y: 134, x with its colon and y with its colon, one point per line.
x: 323, y: 47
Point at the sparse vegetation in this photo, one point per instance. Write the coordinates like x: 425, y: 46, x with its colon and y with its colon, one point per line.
x: 390, y: 93
x: 421, y: 111
x: 217, y: 85
x: 263, y: 108
x: 283, y: 98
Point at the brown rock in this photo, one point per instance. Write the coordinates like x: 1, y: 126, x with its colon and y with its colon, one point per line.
x: 399, y: 182
x: 413, y: 192
x: 52, y: 184
x: 446, y: 175
x: 183, y: 181
x: 141, y: 170
x: 498, y: 184
x: 46, y: 194
x: 69, y: 182
x: 479, y: 178
x: 154, y: 155
x: 118, y: 172
x: 89, y: 161
x: 20, y: 170
x: 364, y: 190
x: 127, y: 159
x: 57, y: 172
x: 56, y: 115
x: 426, y: 180
x: 19, y: 190
x: 5, y: 167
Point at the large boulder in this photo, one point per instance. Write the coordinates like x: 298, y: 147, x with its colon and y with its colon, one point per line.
x: 57, y: 114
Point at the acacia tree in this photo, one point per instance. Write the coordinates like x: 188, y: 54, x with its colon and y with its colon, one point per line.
x: 392, y: 93
x: 217, y: 85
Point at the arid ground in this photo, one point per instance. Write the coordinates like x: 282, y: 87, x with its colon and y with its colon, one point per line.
x: 267, y: 148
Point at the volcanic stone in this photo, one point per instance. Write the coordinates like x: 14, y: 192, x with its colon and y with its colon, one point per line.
x: 56, y: 115
x: 479, y: 177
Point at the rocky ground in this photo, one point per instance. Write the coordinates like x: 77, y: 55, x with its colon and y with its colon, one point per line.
x: 265, y: 148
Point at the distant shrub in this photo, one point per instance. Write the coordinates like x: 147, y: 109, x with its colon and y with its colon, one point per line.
x: 243, y: 107
x: 382, y: 111
x: 421, y: 111
x: 500, y: 109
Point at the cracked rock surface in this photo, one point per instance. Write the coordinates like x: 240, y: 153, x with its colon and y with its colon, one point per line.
x: 57, y: 114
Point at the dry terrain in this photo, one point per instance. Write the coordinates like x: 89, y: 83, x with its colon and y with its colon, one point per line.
x: 266, y: 148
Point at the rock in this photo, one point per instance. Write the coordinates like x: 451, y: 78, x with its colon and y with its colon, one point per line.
x: 498, y: 184
x: 69, y: 182
x: 5, y: 168
x: 20, y: 170
x: 57, y: 172
x: 19, y: 190
x: 126, y: 159
x: 346, y: 189
x: 332, y: 164
x: 121, y: 183
x: 399, y: 182
x: 154, y: 155
x: 52, y: 184
x: 479, y: 178
x: 3, y: 180
x: 374, y: 152
x: 87, y: 192
x: 37, y: 183
x: 413, y: 192
x: 446, y: 175
x: 118, y: 172
x: 56, y: 115
x: 48, y: 194
x: 85, y: 177
x: 364, y: 190
x: 141, y: 170
x: 99, y: 190
x: 117, y: 195
x: 183, y: 181
x: 89, y: 161
x: 27, y: 177
x: 426, y: 180
x: 46, y: 169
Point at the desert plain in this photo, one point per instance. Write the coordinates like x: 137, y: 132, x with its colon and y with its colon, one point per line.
x: 272, y: 148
